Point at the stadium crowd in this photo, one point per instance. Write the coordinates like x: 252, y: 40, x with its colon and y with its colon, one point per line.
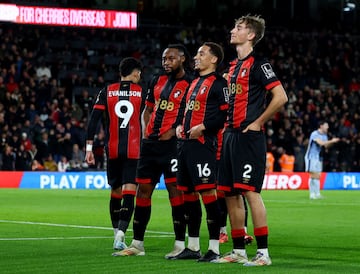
x: 49, y: 76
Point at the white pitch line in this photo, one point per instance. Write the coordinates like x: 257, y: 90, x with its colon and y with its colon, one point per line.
x: 52, y: 238
x: 77, y: 226
x: 72, y: 238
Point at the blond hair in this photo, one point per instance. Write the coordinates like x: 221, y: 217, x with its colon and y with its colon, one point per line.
x: 255, y: 23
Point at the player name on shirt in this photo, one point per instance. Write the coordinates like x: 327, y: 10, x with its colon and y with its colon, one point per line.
x: 116, y: 93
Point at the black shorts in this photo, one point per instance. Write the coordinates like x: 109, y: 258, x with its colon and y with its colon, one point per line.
x: 197, y: 166
x: 243, y: 161
x: 157, y: 158
x: 121, y: 171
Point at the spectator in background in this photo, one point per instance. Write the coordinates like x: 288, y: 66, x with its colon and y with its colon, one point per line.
x: 43, y: 72
x: 8, y: 159
x: 66, y: 145
x: 318, y: 142
x: 77, y: 159
x: 286, y: 161
x: 270, y: 159
x: 299, y: 153
x: 23, y: 159
x: 63, y: 165
x: 43, y: 147
x: 25, y: 141
x: 50, y: 164
x: 37, y: 166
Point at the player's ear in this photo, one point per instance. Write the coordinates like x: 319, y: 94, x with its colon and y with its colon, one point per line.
x: 182, y: 58
x: 251, y: 35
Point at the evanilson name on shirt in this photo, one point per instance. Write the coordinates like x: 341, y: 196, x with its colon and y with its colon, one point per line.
x: 130, y: 93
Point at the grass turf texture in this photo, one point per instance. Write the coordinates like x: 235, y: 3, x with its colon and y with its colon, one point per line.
x: 68, y: 231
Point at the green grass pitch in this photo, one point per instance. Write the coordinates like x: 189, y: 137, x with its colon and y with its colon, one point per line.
x: 68, y: 231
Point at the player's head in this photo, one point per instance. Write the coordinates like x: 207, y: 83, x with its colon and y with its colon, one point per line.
x: 130, y: 65
x: 248, y: 24
x: 208, y: 57
x: 175, y: 58
x: 216, y: 50
x: 323, y: 126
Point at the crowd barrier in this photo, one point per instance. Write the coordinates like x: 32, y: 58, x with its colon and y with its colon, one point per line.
x: 98, y: 180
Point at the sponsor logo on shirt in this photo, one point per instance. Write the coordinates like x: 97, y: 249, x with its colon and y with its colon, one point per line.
x: 202, y: 91
x: 268, y: 71
x: 243, y: 72
x: 177, y: 93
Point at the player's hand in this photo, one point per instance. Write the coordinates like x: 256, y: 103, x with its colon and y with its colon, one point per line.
x: 89, y: 158
x: 196, y: 131
x: 180, y: 131
x: 253, y: 127
x: 167, y: 135
x: 226, y: 76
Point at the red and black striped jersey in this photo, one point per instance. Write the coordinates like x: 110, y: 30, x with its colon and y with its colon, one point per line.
x: 249, y: 80
x: 206, y: 103
x: 164, y: 95
x: 121, y: 103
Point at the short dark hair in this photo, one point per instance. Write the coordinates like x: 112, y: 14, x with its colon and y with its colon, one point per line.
x: 182, y: 50
x: 128, y: 64
x: 216, y: 50
x: 321, y: 122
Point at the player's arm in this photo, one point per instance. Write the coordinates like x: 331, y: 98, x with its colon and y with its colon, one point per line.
x: 279, y: 99
x: 327, y: 143
x: 91, y: 131
x: 216, y: 123
x: 145, y: 118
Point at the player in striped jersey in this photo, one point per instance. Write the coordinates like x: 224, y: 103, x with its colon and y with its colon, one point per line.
x: 205, y: 115
x: 121, y: 103
x: 158, y: 157
x: 243, y: 155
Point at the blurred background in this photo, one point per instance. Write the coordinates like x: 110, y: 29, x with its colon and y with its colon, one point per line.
x: 50, y: 75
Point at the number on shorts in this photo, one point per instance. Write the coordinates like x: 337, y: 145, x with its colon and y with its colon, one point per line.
x: 203, y: 171
x: 174, y: 164
x: 248, y: 169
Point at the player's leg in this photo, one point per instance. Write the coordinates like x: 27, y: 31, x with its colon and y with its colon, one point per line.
x: 128, y: 193
x: 223, y: 217
x: 236, y: 211
x: 248, y: 238
x: 176, y: 198
x: 114, y: 174
x: 141, y: 219
x: 209, y: 199
x: 193, y: 216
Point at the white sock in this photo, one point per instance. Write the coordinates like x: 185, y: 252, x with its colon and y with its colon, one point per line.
x: 214, y: 246
x: 138, y: 243
x: 115, y: 231
x: 311, y: 187
x: 179, y: 244
x: 120, y: 234
x: 241, y: 252
x: 194, y: 243
x: 264, y: 251
x: 223, y: 230
x: 316, y: 187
